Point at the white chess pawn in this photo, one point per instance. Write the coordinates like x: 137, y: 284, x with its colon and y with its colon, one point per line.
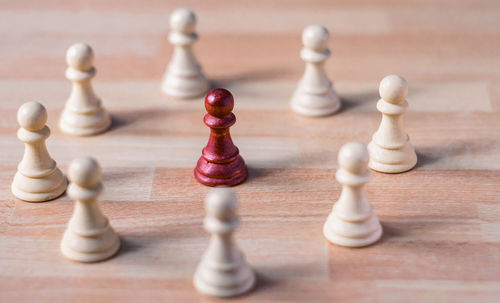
x: 83, y: 114
x: 314, y: 95
x: 89, y: 236
x: 223, y: 270
x: 390, y: 149
x: 37, y: 179
x: 184, y: 77
x: 352, y: 221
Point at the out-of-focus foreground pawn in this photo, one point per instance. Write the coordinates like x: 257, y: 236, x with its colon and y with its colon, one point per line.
x: 314, y: 95
x: 352, y: 221
x: 89, y: 236
x: 83, y: 114
x: 184, y: 77
x: 390, y: 149
x: 223, y: 270
x: 38, y: 178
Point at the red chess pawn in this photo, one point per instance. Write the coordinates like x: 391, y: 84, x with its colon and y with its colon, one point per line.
x: 220, y: 163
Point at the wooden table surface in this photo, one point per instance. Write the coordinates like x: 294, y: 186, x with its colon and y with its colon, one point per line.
x: 441, y: 220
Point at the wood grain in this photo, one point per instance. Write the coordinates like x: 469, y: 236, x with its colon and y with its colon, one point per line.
x: 441, y: 220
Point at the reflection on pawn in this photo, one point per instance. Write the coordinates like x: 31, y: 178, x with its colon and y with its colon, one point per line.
x: 38, y: 178
x: 314, y: 95
x: 390, y: 149
x: 352, y: 221
x: 83, y: 114
x: 223, y: 270
x: 184, y: 77
x: 89, y: 236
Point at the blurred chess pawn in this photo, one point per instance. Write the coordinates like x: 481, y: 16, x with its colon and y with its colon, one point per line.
x: 89, y: 236
x: 352, y: 221
x: 83, y: 114
x: 390, y: 149
x: 184, y: 77
x: 37, y: 179
x: 223, y: 270
x: 314, y: 95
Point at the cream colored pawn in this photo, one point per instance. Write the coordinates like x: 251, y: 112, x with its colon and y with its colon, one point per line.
x: 184, y: 77
x: 37, y: 179
x: 89, y: 236
x: 223, y: 271
x: 314, y: 95
x: 352, y: 221
x: 390, y: 149
x: 83, y: 114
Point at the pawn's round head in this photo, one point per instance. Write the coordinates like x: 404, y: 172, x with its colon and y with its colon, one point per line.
x: 353, y: 157
x: 221, y: 203
x: 32, y: 116
x: 315, y: 37
x: 183, y: 20
x: 219, y: 102
x: 80, y: 56
x: 85, y: 171
x: 393, y: 89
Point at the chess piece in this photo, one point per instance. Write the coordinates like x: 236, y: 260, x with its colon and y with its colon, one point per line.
x: 37, y: 179
x: 89, y: 236
x: 83, y: 114
x: 352, y: 221
x: 390, y: 149
x: 220, y: 163
x: 184, y: 77
x: 223, y: 270
x: 314, y: 95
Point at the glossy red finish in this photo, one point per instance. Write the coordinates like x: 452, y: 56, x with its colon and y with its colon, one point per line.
x: 220, y: 163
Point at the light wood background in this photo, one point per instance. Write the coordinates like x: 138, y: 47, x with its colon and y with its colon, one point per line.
x: 441, y: 220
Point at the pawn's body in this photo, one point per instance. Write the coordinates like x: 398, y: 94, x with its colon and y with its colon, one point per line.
x: 89, y: 236
x: 223, y: 270
x: 390, y: 149
x: 83, y: 114
x: 314, y: 95
x: 220, y: 163
x: 352, y: 222
x: 184, y: 77
x: 38, y: 178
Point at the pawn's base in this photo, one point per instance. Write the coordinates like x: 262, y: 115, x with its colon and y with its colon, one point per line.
x: 185, y: 87
x: 352, y: 242
x: 391, y: 168
x: 215, y: 283
x: 391, y: 161
x: 315, y: 105
x: 89, y: 249
x: 352, y: 233
x: 39, y: 189
x: 221, y: 174
x: 78, y: 124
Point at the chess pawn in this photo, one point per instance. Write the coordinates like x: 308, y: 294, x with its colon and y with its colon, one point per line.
x: 89, y: 236
x: 352, y: 221
x: 220, y: 163
x: 184, y: 77
x: 223, y: 270
x: 314, y: 95
x: 83, y: 114
x: 390, y: 149
x: 37, y: 179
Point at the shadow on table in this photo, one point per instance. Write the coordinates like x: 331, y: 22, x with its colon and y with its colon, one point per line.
x: 433, y: 154
x: 253, y: 76
x: 128, y: 245
x: 127, y: 117
x: 353, y: 100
